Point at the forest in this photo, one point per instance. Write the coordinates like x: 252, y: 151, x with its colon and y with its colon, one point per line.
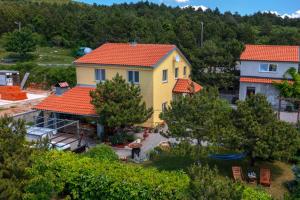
x: 71, y: 24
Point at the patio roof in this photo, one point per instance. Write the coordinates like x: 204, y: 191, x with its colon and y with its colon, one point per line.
x: 75, y: 101
x: 185, y: 86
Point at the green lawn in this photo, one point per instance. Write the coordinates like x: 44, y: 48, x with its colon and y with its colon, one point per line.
x: 280, y: 172
x: 46, y: 56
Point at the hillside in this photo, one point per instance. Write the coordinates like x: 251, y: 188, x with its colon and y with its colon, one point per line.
x: 73, y: 25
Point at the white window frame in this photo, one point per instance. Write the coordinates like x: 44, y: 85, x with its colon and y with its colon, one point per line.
x: 268, y: 71
x: 102, y: 75
x: 176, y: 73
x: 135, y: 81
x: 165, y: 80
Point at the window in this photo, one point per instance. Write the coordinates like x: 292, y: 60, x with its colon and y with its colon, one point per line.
x: 176, y: 73
x: 133, y: 76
x: 165, y: 75
x: 100, y: 75
x: 184, y: 70
x: 250, y: 91
x: 164, y: 106
x: 268, y: 68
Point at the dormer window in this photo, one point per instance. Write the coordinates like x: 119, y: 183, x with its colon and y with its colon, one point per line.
x: 268, y: 68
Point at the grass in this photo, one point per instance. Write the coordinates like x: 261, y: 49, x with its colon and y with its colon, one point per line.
x: 280, y: 172
x: 46, y: 56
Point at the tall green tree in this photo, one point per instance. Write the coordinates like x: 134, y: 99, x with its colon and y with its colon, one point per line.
x: 260, y: 133
x: 203, y: 116
x: 14, y: 158
x: 119, y: 103
x: 21, y: 42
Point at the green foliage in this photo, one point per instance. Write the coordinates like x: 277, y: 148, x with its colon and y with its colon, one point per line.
x: 255, y: 194
x: 20, y: 42
x: 14, y: 158
x: 102, y: 152
x: 260, y: 133
x: 60, y: 174
x: 120, y: 103
x: 206, y: 184
x: 203, y: 116
x: 48, y: 75
x: 287, y: 89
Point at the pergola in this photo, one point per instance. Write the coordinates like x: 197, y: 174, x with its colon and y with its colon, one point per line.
x: 62, y: 134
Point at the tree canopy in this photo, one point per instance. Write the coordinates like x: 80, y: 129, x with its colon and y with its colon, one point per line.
x: 20, y: 42
x: 119, y: 103
x: 14, y: 158
x: 260, y: 133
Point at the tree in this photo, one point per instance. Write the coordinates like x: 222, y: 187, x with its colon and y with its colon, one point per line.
x: 119, y: 104
x: 14, y: 158
x: 203, y: 116
x: 21, y: 42
x: 260, y: 133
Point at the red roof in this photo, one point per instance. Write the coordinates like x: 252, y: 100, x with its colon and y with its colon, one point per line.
x: 127, y: 54
x: 260, y: 80
x: 185, y: 86
x: 271, y: 53
x: 75, y: 101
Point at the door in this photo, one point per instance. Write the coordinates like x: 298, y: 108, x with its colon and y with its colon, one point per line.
x: 250, y: 91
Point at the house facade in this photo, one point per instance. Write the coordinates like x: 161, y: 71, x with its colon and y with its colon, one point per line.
x: 262, y: 65
x: 160, y: 70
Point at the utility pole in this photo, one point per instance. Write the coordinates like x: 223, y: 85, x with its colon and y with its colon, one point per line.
x: 19, y: 25
x: 202, y: 30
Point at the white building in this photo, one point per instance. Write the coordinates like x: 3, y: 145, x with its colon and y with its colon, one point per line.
x: 262, y: 65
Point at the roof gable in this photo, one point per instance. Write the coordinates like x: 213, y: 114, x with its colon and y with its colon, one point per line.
x: 277, y: 53
x: 126, y: 54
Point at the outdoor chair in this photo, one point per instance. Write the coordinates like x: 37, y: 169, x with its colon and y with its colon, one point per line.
x: 237, y: 173
x: 265, y: 177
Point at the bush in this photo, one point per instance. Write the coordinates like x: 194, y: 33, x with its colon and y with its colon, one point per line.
x: 102, y: 152
x: 206, y: 184
x: 61, y: 174
x: 121, y: 138
x: 253, y: 194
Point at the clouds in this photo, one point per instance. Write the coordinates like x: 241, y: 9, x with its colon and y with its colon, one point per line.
x: 292, y: 15
x: 204, y: 8
x: 182, y: 1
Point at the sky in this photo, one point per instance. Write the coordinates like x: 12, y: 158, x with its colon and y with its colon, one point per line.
x: 290, y: 8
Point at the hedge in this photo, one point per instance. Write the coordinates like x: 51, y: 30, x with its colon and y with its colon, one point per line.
x: 64, y: 174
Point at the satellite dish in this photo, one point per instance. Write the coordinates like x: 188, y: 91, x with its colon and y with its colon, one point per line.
x: 177, y: 58
x: 87, y: 50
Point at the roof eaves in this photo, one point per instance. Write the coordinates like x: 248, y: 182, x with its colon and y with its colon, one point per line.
x: 110, y: 65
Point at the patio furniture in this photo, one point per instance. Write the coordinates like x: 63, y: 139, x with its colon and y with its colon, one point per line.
x: 252, y: 178
x: 237, y: 173
x: 265, y: 177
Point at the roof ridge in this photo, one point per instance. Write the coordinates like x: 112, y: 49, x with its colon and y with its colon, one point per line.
x: 272, y: 45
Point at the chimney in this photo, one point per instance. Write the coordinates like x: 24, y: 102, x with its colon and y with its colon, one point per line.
x: 61, y: 88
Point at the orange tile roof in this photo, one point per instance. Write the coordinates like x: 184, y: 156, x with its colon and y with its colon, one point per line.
x: 261, y: 80
x: 271, y: 53
x: 185, y: 86
x: 75, y: 101
x: 127, y: 54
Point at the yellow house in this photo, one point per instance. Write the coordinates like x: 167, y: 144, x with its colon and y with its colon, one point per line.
x: 161, y: 71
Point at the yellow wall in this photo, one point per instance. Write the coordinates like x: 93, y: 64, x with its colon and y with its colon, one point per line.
x: 162, y: 92
x: 154, y: 91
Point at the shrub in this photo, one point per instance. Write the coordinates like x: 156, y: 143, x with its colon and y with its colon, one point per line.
x: 253, y: 194
x: 206, y: 184
x: 102, y: 152
x: 66, y: 174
